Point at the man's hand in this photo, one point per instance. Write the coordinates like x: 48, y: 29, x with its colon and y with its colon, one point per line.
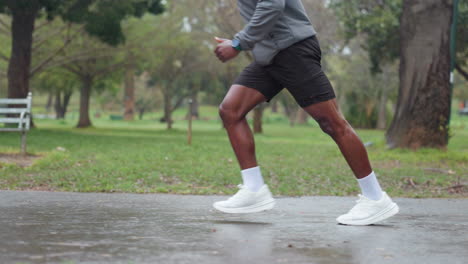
x: 224, y: 51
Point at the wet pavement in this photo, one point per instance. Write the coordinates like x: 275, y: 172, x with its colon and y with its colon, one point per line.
x: 43, y: 227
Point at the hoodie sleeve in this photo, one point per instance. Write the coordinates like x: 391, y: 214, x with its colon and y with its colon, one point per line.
x: 262, y: 22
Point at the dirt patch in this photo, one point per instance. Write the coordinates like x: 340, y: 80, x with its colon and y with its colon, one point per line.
x: 18, y: 159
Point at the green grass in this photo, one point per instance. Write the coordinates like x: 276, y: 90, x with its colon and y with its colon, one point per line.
x: 143, y: 157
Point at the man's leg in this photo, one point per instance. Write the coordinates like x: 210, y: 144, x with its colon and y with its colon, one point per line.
x: 254, y: 195
x: 238, y: 102
x: 333, y: 123
x: 375, y: 206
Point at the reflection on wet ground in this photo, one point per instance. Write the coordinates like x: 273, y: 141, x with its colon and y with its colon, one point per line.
x: 39, y: 227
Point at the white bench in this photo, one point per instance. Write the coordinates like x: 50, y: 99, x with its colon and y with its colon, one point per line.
x: 16, y: 115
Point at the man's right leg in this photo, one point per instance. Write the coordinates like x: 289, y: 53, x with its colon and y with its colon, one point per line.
x: 254, y: 195
x: 239, y: 101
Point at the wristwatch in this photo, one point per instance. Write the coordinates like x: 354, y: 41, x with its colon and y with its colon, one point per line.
x: 236, y: 45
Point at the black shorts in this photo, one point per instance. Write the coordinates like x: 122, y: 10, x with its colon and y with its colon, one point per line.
x: 296, y: 68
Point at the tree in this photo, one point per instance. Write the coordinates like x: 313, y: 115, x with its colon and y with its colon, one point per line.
x: 362, y: 95
x: 290, y: 106
x: 418, y: 33
x: 140, y: 34
x: 172, y: 71
x: 423, y: 108
x: 462, y: 40
x: 24, y: 14
x: 179, y: 62
x: 378, y: 21
x: 5, y: 38
x: 60, y: 85
x: 372, y: 27
x: 98, y: 61
x: 147, y: 96
x: 129, y: 90
x: 100, y: 18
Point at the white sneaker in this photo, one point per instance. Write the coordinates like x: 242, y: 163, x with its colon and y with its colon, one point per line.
x: 367, y: 211
x: 245, y: 201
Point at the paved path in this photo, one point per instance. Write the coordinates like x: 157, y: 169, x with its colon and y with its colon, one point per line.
x: 43, y: 227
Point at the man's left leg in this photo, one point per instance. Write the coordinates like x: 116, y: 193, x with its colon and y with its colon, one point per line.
x: 333, y: 123
x: 374, y: 205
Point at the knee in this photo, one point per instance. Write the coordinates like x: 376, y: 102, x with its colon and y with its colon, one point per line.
x: 334, y: 128
x: 229, y: 114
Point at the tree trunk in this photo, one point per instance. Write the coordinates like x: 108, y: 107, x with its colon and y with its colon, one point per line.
x: 85, y: 94
x: 58, y: 106
x: 195, y: 104
x: 167, y: 108
x: 382, y: 116
x: 302, y: 117
x: 61, y: 105
x: 257, y: 119
x: 292, y: 117
x: 421, y: 117
x: 141, y: 112
x: 129, y: 94
x: 50, y: 101
x: 22, y: 27
x: 274, y: 106
x: 66, y: 102
x: 289, y: 113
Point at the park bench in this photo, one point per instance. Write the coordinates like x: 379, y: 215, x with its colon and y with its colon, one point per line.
x: 18, y: 118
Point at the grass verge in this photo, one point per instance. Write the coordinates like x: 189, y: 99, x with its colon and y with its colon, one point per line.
x: 143, y: 157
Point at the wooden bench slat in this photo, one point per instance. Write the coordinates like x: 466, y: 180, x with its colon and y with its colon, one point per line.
x: 12, y: 129
x: 13, y: 110
x: 13, y: 120
x: 13, y: 101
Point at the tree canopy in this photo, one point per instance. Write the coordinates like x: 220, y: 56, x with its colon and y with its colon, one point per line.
x: 380, y: 22
x: 102, y: 18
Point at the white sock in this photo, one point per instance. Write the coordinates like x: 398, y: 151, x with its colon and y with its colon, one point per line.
x: 370, y: 187
x: 252, y: 179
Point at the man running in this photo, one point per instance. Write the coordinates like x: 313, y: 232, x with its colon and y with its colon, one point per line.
x: 287, y: 54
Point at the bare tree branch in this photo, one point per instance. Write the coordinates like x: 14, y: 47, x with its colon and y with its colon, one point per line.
x: 111, y: 68
x: 461, y: 71
x: 72, y: 69
x: 39, y: 27
x: 44, y: 63
x: 5, y: 25
x: 39, y: 40
x: 67, y: 60
x: 54, y: 54
x: 178, y: 103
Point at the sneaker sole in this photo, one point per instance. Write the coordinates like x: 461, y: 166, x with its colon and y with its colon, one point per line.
x: 256, y: 208
x: 388, y: 212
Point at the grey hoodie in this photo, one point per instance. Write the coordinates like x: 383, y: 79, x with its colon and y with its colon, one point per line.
x: 272, y: 25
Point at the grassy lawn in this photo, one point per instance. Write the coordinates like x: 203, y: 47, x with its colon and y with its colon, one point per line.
x: 143, y: 157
